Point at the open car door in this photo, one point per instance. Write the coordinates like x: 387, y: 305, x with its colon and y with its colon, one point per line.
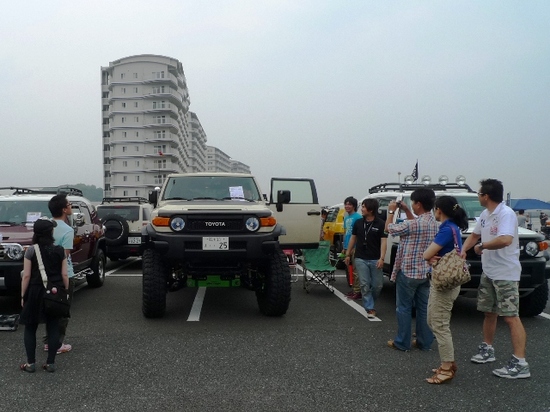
x: 296, y: 207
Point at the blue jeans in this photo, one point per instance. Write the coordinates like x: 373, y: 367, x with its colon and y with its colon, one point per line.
x: 371, y: 280
x: 409, y: 292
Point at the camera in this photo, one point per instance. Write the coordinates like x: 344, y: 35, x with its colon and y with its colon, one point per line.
x: 398, y: 200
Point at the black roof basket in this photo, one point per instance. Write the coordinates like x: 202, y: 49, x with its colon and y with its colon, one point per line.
x: 72, y: 191
x: 128, y: 199
x: 403, y: 187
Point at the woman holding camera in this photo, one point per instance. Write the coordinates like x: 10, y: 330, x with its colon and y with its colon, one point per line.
x: 453, y: 219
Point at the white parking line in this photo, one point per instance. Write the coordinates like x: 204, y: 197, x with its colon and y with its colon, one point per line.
x: 109, y: 273
x: 195, y: 314
x: 352, y: 304
x: 545, y: 315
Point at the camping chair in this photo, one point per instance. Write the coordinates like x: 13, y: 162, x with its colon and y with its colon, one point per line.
x: 317, y: 268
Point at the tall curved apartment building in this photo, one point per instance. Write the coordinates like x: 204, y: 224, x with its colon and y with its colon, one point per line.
x: 148, y: 130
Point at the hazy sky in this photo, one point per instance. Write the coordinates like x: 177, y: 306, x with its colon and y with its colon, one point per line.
x: 348, y: 92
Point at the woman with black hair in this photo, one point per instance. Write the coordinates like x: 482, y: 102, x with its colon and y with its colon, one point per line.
x: 453, y: 219
x: 32, y: 292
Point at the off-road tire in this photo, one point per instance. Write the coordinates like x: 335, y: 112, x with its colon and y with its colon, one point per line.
x: 534, y: 303
x: 116, y: 230
x: 274, y: 295
x: 155, y: 277
x: 96, y: 279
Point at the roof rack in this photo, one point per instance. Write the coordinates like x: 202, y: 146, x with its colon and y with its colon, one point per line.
x: 128, y: 199
x: 403, y: 187
x: 50, y: 191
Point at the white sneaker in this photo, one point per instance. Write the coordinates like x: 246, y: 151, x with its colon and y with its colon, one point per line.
x: 513, y: 370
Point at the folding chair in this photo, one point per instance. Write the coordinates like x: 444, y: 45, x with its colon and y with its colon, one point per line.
x: 317, y: 267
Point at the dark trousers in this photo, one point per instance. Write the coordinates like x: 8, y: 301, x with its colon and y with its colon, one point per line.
x: 29, y: 338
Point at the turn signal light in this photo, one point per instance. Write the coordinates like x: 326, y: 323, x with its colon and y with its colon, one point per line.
x: 161, y: 221
x: 543, y: 245
x: 268, y: 221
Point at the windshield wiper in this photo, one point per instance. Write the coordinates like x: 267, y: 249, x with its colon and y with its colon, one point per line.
x: 237, y: 198
x: 176, y: 198
x: 9, y: 223
x: 204, y: 198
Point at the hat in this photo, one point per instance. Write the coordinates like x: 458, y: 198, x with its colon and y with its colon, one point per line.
x: 44, y: 225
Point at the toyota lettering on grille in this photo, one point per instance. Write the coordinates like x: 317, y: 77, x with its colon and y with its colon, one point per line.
x: 214, y: 224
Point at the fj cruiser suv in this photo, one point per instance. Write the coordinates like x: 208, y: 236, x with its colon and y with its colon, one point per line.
x: 20, y: 209
x: 216, y: 230
x: 533, y: 285
x: 123, y: 219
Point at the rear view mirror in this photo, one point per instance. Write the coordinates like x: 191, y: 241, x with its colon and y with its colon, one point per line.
x: 78, y: 219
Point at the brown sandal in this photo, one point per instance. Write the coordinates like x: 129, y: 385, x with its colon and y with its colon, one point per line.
x: 441, y: 376
x: 454, y: 367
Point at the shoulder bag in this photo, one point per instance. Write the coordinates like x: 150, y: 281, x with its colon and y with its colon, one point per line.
x: 56, y: 298
x: 451, y: 270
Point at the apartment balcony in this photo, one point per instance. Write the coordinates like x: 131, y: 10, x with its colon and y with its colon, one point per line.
x: 167, y: 79
x: 173, y: 97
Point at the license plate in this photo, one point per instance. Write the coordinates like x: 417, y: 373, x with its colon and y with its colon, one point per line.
x: 215, y: 243
x: 134, y: 240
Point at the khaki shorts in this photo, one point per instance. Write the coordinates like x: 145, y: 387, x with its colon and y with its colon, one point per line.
x: 498, y: 296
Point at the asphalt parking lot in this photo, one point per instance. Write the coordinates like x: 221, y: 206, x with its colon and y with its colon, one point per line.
x: 214, y: 351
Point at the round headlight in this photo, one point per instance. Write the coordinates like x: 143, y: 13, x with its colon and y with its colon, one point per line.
x: 252, y: 224
x: 14, y: 251
x: 177, y: 224
x: 408, y: 180
x: 532, y: 248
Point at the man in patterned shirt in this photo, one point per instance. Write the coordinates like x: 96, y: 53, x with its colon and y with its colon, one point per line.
x: 410, y: 269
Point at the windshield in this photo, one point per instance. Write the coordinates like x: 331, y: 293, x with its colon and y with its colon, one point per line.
x: 211, y: 187
x: 18, y: 212
x: 127, y: 212
x: 471, y: 206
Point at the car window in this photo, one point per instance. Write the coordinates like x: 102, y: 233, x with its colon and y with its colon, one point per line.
x: 471, y: 206
x: 23, y: 211
x: 300, y: 190
x: 214, y: 187
x: 146, y: 214
x: 127, y: 212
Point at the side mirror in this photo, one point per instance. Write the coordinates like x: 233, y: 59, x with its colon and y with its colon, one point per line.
x: 283, y: 196
x: 78, y: 220
x: 153, y: 197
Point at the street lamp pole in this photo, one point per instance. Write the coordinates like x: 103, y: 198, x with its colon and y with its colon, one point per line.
x: 399, y: 177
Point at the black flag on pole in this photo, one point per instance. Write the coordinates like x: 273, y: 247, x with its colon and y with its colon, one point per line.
x: 414, y: 173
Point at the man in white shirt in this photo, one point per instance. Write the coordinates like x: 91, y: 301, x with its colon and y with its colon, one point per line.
x: 498, y: 293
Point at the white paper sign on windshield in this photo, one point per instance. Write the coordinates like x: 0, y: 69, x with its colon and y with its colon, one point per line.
x: 236, y: 192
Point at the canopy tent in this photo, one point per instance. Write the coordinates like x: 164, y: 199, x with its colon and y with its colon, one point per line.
x: 529, y: 204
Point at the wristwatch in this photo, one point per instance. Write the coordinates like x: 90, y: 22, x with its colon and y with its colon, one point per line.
x: 391, y: 212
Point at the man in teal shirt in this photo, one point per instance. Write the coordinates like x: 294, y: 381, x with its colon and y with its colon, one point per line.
x: 350, y: 205
x: 63, y: 234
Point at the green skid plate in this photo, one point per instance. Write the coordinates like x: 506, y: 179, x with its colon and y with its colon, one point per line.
x: 213, y: 281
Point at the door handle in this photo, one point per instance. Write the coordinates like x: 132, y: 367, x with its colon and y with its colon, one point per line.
x: 314, y: 213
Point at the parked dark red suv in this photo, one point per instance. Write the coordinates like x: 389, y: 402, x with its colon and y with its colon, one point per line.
x: 19, y: 210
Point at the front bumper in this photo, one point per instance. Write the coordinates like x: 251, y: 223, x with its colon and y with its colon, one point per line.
x: 534, y: 273
x: 10, y: 277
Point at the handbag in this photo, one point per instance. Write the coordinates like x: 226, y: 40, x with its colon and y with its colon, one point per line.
x: 56, y: 298
x: 451, y: 270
